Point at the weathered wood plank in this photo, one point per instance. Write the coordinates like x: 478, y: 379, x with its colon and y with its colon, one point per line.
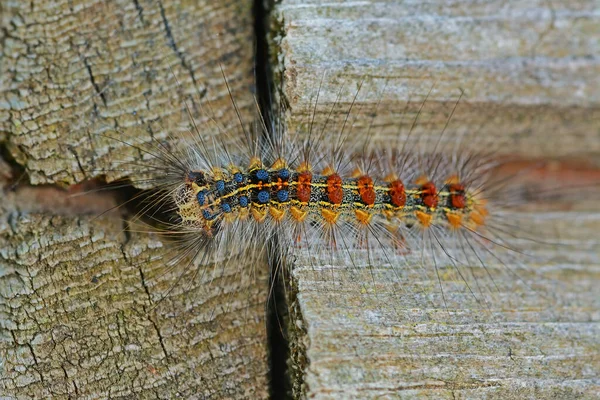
x: 80, y: 309
x: 364, y: 333
x: 529, y: 71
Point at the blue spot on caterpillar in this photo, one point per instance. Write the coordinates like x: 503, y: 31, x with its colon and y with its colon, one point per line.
x: 238, y: 177
x: 201, y: 197
x: 262, y: 175
x: 283, y: 195
x: 263, y: 197
x: 284, y: 174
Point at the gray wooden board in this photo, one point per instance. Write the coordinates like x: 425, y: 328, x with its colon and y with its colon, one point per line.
x: 529, y: 71
x: 384, y: 331
x: 75, y: 75
x: 81, y: 316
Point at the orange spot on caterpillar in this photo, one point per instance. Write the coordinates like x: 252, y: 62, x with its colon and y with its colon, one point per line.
x: 335, y: 193
x: 259, y: 215
x: 390, y: 178
x: 298, y: 214
x: 279, y: 184
x: 279, y: 164
x: 230, y: 217
x: 217, y: 174
x: 397, y: 193
x: 398, y: 240
x: 304, y: 187
x: 356, y: 173
x: 457, y: 195
x: 255, y: 163
x: 330, y: 216
x: 455, y: 220
x: 429, y: 194
x: 243, y: 214
x: 424, y: 218
x: 422, y: 180
x: 363, y: 217
x: 327, y: 171
x: 477, y: 218
x: 366, y: 191
x: 452, y: 180
x: 276, y: 213
x: 481, y: 209
x: 482, y: 202
x: 304, y: 167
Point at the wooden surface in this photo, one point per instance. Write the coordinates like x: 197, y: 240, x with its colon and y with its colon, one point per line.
x: 78, y: 296
x: 530, y: 75
x: 385, y: 332
x: 73, y: 72
x: 80, y: 309
x: 529, y: 69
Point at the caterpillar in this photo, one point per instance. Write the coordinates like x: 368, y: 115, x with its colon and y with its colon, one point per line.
x: 415, y: 205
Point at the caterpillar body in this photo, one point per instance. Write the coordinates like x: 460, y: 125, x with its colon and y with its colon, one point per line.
x: 211, y: 200
x: 335, y: 197
x: 329, y: 191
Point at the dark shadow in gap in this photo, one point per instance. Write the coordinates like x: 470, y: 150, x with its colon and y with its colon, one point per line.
x: 276, y: 309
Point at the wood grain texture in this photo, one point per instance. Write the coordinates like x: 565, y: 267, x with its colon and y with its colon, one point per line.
x: 384, y: 331
x: 81, y: 317
x: 530, y: 75
x: 74, y: 73
x: 529, y: 69
x: 80, y: 309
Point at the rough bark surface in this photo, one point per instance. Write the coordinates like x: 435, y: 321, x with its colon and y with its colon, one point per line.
x: 75, y: 74
x: 81, y: 314
x: 530, y: 75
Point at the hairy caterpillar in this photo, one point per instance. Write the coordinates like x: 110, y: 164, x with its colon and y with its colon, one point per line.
x: 421, y: 205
